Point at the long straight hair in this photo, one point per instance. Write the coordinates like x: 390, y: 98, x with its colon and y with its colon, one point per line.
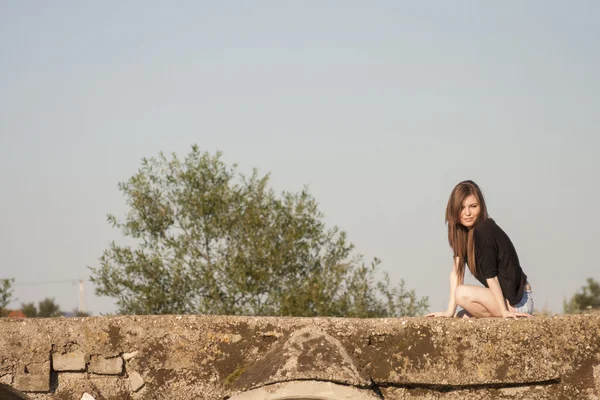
x: 460, y: 237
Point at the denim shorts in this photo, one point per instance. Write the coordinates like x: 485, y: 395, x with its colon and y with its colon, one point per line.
x: 526, y: 303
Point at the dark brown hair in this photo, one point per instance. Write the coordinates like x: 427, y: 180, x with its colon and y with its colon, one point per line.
x: 459, y: 236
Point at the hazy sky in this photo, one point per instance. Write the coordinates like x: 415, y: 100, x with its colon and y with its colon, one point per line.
x: 380, y: 107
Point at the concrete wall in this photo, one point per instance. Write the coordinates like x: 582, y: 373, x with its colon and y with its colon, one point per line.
x: 248, y: 358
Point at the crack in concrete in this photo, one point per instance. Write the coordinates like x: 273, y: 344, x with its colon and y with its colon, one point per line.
x: 375, y: 387
x: 483, y: 386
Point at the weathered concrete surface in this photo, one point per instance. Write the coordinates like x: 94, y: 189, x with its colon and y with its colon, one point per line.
x: 307, y: 390
x: 211, y: 357
x: 68, y: 362
x: 9, y: 393
x: 106, y: 366
x: 33, y: 376
x: 307, y: 352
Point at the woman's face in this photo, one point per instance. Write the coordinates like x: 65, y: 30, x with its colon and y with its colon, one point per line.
x: 469, y: 211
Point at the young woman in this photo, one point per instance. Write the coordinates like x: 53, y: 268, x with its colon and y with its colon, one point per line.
x: 491, y: 257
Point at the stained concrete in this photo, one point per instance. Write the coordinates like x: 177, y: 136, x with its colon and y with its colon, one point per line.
x: 212, y: 357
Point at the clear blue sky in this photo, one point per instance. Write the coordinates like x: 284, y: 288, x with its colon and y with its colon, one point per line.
x: 379, y: 107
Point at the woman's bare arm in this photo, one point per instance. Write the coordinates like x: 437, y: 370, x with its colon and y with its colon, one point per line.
x: 455, y: 280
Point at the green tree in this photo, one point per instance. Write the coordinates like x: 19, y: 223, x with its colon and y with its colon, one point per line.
x: 46, y: 308
x: 29, y: 309
x: 77, y: 313
x: 212, y: 240
x: 586, y: 298
x: 5, y: 295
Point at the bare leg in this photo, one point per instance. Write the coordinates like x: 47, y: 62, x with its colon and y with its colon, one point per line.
x: 478, y: 301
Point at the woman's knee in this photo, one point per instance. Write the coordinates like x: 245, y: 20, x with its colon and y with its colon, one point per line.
x: 461, y: 295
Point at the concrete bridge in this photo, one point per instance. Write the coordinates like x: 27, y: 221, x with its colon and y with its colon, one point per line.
x: 251, y: 358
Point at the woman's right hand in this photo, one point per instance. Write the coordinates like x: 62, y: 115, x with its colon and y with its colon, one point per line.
x: 440, y: 314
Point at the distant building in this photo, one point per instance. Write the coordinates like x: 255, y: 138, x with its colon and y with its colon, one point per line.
x: 16, y: 314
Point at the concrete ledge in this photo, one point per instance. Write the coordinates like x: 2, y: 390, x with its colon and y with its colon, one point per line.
x: 213, y: 357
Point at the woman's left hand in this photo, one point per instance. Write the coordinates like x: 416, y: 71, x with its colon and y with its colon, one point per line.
x: 515, y: 315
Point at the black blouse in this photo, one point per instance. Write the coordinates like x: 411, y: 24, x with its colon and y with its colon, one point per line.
x: 495, y: 255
